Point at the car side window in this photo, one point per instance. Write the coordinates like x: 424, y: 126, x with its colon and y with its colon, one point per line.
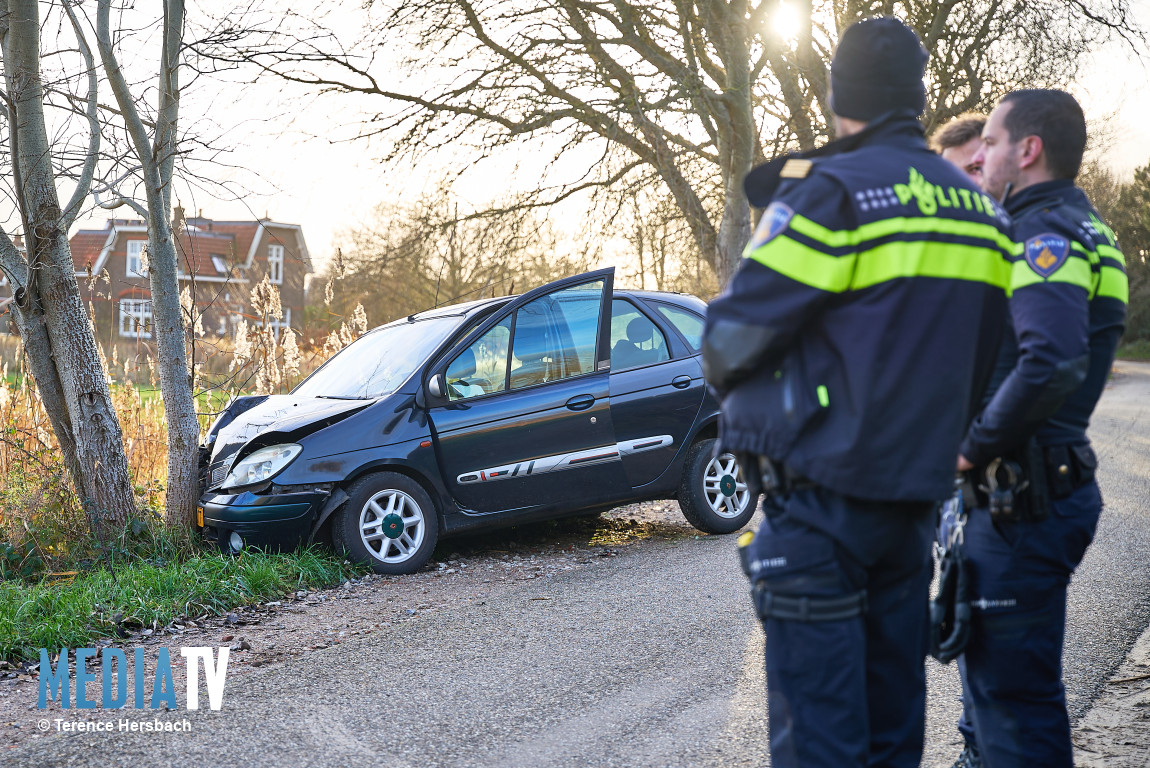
x: 635, y: 340
x: 555, y: 336
x: 481, y: 368
x: 686, y: 322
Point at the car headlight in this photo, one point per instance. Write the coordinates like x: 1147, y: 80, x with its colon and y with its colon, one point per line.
x: 261, y: 465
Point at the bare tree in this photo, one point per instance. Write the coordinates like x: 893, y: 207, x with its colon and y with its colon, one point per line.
x: 409, y: 258
x: 687, y: 95
x: 54, y: 326
x: 155, y: 155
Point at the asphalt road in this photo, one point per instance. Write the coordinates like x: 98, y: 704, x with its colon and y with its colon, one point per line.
x: 652, y: 658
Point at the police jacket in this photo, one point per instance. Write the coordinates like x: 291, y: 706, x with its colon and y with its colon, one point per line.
x: 855, y: 339
x: 1068, y: 295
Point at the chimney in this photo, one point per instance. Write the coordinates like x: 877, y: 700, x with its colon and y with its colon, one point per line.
x: 178, y: 219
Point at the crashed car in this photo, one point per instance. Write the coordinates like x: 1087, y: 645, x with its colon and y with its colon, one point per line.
x: 567, y: 400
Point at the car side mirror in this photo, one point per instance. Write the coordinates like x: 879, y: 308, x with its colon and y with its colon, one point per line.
x: 435, y: 386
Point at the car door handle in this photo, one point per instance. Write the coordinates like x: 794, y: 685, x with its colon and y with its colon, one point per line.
x: 581, y: 402
x: 681, y: 382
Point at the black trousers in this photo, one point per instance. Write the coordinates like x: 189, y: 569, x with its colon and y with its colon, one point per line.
x: 1015, y: 704
x: 848, y: 692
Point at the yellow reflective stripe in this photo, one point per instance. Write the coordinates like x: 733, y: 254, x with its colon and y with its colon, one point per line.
x: 890, y: 261
x: 1075, y: 271
x: 1111, y: 252
x: 805, y: 264
x: 899, y: 225
x: 1107, y: 251
x: 1091, y: 256
x: 1113, y: 284
x: 923, y: 258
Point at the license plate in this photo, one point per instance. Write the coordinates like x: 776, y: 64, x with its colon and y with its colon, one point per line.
x: 200, y: 516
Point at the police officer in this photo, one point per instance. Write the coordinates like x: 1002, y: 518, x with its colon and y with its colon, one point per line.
x: 959, y: 141
x: 846, y: 351
x: 1067, y: 311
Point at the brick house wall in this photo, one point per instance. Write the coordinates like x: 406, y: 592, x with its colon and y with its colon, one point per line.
x: 220, y: 261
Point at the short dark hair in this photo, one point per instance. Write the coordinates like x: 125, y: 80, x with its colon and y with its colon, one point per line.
x: 959, y: 131
x: 1056, y: 118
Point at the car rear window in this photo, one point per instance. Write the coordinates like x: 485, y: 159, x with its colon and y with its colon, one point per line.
x: 686, y: 322
x: 635, y: 340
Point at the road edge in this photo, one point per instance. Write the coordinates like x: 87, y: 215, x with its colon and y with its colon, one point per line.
x: 1115, y: 732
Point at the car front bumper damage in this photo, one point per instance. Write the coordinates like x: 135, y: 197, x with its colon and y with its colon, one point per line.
x: 279, y: 519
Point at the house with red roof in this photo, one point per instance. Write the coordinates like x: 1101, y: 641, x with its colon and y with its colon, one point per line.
x: 219, y: 261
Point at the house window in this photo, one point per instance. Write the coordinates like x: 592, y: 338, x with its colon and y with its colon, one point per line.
x: 136, y: 266
x: 279, y: 325
x: 136, y: 318
x: 276, y: 264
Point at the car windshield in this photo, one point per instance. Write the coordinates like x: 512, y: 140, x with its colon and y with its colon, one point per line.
x: 377, y: 363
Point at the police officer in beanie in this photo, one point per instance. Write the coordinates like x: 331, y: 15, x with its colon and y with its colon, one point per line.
x: 1027, y: 451
x: 849, y: 351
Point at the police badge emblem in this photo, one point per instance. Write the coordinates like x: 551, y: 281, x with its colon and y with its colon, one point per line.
x: 775, y: 219
x: 1046, y: 253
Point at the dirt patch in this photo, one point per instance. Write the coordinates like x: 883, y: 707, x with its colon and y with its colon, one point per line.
x: 465, y: 570
x: 1115, y: 733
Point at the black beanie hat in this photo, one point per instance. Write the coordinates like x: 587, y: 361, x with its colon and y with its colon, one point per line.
x: 877, y: 68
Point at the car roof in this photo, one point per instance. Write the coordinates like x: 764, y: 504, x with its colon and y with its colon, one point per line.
x: 464, y: 308
x: 471, y: 307
x: 686, y: 300
x: 657, y: 295
x: 451, y: 310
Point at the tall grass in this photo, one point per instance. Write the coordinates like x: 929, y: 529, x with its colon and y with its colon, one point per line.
x: 37, y: 504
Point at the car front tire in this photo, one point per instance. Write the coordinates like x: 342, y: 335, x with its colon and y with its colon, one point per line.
x: 713, y: 492
x: 388, y: 522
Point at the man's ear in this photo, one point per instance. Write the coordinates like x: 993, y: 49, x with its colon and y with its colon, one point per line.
x: 1030, y: 153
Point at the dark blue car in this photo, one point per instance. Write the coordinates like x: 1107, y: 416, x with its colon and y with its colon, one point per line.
x: 568, y: 400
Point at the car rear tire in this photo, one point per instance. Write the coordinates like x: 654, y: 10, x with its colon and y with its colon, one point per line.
x: 713, y: 493
x: 388, y: 522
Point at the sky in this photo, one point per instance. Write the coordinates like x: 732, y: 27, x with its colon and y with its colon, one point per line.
x: 280, y: 164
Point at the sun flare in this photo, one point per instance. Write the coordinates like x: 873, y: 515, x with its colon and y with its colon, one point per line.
x: 785, y: 21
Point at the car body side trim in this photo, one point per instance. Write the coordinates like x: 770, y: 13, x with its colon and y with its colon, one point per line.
x: 563, y: 461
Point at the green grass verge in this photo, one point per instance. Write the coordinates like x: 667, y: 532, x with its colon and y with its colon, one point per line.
x: 1134, y: 350
x: 54, y: 616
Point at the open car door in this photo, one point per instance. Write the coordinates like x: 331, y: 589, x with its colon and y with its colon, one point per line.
x: 522, y: 421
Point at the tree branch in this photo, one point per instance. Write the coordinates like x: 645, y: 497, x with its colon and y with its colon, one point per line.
x: 85, y: 181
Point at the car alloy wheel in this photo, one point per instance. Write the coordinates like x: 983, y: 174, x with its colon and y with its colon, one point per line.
x: 388, y: 523
x: 724, y: 486
x: 713, y: 492
x: 391, y: 526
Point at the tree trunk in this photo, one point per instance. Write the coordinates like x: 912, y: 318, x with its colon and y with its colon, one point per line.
x: 157, y: 158
x: 29, y: 316
x: 183, y: 490
x: 103, y: 481
x: 737, y: 143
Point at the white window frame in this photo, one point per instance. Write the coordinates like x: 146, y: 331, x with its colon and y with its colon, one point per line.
x: 276, y: 264
x: 137, y: 270
x: 136, y: 318
x: 278, y: 325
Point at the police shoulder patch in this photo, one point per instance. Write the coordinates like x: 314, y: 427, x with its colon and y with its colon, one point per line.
x: 796, y: 168
x: 1047, y: 252
x: 774, y: 220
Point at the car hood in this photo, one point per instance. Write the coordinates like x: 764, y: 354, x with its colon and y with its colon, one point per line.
x: 279, y: 418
